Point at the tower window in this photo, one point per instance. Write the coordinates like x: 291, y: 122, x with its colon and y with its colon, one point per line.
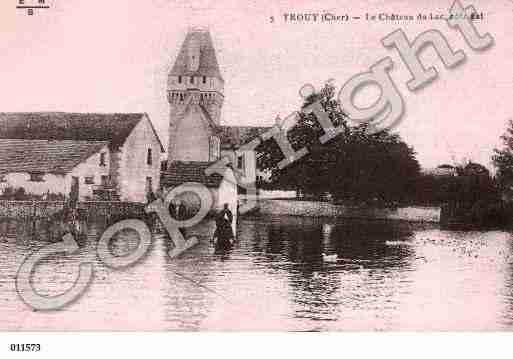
x: 192, y: 79
x: 179, y: 79
x: 204, y: 79
x: 149, y: 158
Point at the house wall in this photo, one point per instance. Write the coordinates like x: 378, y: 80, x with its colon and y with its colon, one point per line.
x: 249, y: 167
x: 230, y: 154
x: 61, y: 184
x: 115, y: 165
x: 133, y: 168
x: 89, y: 168
x: 51, y: 182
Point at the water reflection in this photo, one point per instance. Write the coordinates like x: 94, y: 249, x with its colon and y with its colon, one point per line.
x: 318, y: 290
x: 389, y: 275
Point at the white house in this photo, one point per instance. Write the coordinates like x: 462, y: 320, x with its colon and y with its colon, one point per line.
x: 93, y: 156
x: 41, y: 166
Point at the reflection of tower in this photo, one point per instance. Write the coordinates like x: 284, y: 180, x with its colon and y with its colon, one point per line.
x: 195, y: 96
x: 327, y: 230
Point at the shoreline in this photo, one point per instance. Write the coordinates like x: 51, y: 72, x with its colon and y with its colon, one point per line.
x: 421, y: 214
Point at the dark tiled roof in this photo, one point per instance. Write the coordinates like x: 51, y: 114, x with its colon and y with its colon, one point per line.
x: 43, y: 156
x: 228, y: 136
x: 208, y: 65
x: 180, y: 172
x: 239, y: 135
x: 113, y: 128
x: 247, y: 133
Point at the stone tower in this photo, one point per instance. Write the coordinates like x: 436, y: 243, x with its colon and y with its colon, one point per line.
x: 195, y: 89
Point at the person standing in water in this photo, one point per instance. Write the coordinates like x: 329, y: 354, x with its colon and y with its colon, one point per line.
x: 223, y: 235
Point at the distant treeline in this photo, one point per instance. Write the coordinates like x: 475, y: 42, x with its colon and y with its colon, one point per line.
x: 355, y: 166
x: 361, y: 167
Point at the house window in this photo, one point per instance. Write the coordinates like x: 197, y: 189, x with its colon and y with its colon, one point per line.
x: 149, y: 159
x: 36, y: 177
x: 105, y: 180
x: 179, y: 79
x: 204, y: 79
x: 240, y: 162
x: 192, y: 79
x: 89, y: 180
x: 2, y: 178
x: 103, y: 157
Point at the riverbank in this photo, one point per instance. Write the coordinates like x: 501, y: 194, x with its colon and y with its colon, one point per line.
x: 327, y: 209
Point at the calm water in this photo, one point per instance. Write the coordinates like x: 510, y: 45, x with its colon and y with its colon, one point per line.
x: 390, y: 276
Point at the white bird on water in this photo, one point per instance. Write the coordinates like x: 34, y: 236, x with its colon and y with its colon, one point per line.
x: 329, y: 258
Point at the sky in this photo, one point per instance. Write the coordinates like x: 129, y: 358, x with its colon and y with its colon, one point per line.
x: 114, y: 56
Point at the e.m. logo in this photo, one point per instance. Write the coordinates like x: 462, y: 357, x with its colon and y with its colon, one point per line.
x: 32, y: 5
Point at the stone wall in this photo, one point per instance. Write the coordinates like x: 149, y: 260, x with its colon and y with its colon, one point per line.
x: 106, y: 209
x: 29, y: 209
x: 97, y: 209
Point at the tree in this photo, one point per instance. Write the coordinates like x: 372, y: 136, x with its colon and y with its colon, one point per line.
x: 503, y: 159
x: 353, y: 166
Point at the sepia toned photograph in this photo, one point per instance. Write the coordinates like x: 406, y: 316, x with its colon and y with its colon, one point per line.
x: 227, y: 166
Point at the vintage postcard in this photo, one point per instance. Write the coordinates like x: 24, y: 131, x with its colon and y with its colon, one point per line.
x: 332, y: 166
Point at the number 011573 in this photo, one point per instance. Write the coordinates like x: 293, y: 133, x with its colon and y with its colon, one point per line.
x: 25, y: 347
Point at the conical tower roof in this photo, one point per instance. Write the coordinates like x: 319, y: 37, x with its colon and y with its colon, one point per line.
x: 208, y: 65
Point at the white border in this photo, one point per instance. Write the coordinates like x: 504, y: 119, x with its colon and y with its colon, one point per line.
x: 72, y: 345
